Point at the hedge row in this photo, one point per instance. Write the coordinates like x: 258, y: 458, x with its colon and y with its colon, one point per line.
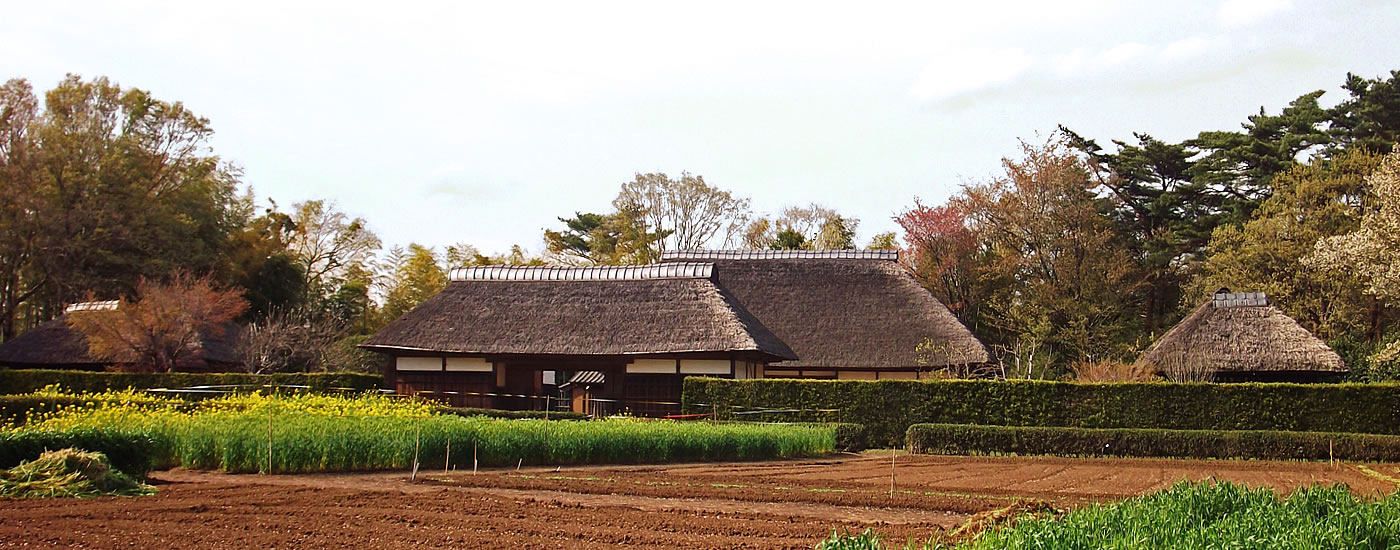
x: 514, y: 415
x: 889, y: 407
x: 131, y: 452
x: 960, y: 439
x: 29, y: 380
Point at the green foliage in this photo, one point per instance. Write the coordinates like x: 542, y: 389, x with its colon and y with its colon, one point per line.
x: 130, y: 450
x: 963, y: 439
x: 865, y: 540
x: 789, y: 239
x: 514, y: 415
x: 415, y: 276
x: 16, y: 409
x: 27, y: 380
x: 888, y: 407
x: 69, y: 473
x: 316, y: 433
x: 1213, y: 515
x: 850, y: 437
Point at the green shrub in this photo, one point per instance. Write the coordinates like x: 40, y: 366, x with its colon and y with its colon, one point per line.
x: 1210, y: 515
x: 132, y: 451
x: 30, y: 380
x: 514, y: 415
x: 961, y: 439
x: 888, y: 407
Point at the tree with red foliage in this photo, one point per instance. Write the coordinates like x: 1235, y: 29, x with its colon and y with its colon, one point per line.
x: 166, y: 323
x: 942, y: 254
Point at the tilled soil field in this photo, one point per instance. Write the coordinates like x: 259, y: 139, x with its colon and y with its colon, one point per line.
x: 788, y: 504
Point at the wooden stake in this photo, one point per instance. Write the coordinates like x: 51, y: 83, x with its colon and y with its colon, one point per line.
x: 1329, y: 453
x: 269, y: 443
x: 473, y: 457
x: 892, y: 453
x: 447, y: 457
x: 517, y: 464
x: 414, y: 477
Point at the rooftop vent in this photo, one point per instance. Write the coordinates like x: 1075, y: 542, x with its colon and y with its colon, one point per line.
x: 1225, y: 298
x: 890, y: 255
x: 685, y: 270
x: 108, y: 305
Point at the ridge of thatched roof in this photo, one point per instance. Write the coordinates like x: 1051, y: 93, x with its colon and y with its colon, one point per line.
x: 1233, y: 333
x: 709, y: 255
x: 54, y: 342
x: 687, y: 270
x: 579, y: 316
x: 853, y: 311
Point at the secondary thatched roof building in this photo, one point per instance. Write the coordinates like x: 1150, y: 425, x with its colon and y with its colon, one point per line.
x: 851, y: 312
x: 1238, y: 337
x: 56, y: 345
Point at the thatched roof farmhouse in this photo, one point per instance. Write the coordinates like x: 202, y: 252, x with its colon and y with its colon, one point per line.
x: 1239, y: 337
x: 56, y: 345
x: 503, y: 336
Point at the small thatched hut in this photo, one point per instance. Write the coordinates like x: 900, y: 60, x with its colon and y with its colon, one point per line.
x: 56, y: 345
x: 1240, y: 337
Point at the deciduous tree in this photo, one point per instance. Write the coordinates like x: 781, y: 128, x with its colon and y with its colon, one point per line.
x: 165, y: 324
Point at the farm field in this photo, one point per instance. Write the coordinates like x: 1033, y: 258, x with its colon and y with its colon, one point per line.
x: 777, y: 504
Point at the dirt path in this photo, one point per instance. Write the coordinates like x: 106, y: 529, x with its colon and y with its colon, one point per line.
x: 788, y: 504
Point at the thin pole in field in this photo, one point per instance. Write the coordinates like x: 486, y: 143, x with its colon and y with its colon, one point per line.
x: 473, y: 457
x: 892, y: 453
x: 414, y: 477
x: 447, y: 458
x: 517, y: 464
x: 269, y: 442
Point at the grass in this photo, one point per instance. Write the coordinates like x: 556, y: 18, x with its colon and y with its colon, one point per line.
x: 68, y: 473
x: 321, y: 433
x: 1192, y: 516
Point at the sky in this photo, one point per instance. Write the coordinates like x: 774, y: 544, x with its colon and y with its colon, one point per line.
x: 483, y: 122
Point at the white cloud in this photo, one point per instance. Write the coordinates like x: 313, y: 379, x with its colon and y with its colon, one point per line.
x: 1119, y: 54
x: 1186, y: 48
x: 961, y: 72
x: 1235, y: 13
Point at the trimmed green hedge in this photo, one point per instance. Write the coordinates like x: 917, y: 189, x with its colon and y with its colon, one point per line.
x: 889, y: 407
x: 131, y: 452
x: 30, y: 380
x: 514, y: 415
x: 960, y: 439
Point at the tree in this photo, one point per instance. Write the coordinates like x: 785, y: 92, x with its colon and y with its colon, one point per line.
x: 884, y: 241
x: 1370, y: 118
x: 836, y: 233
x: 1371, y: 252
x: 20, y: 226
x: 1308, y: 203
x: 686, y: 213
x: 166, y: 323
x: 789, y: 239
x: 598, y: 239
x: 1055, y: 268
x: 327, y: 242
x: 415, y: 275
x: 296, y: 340
x: 943, y: 256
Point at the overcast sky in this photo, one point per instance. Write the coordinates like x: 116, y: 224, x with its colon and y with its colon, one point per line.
x: 481, y: 122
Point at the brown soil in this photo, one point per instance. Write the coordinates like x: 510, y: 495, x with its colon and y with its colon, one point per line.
x: 788, y: 504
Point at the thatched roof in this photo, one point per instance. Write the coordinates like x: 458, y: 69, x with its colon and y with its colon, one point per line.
x: 55, y: 343
x: 49, y: 344
x: 846, y: 309
x: 1239, y: 333
x: 642, y: 310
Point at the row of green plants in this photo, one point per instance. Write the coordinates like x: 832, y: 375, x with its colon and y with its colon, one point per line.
x: 20, y: 381
x: 317, y: 433
x: 888, y: 407
x: 963, y: 439
x: 1187, y: 516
